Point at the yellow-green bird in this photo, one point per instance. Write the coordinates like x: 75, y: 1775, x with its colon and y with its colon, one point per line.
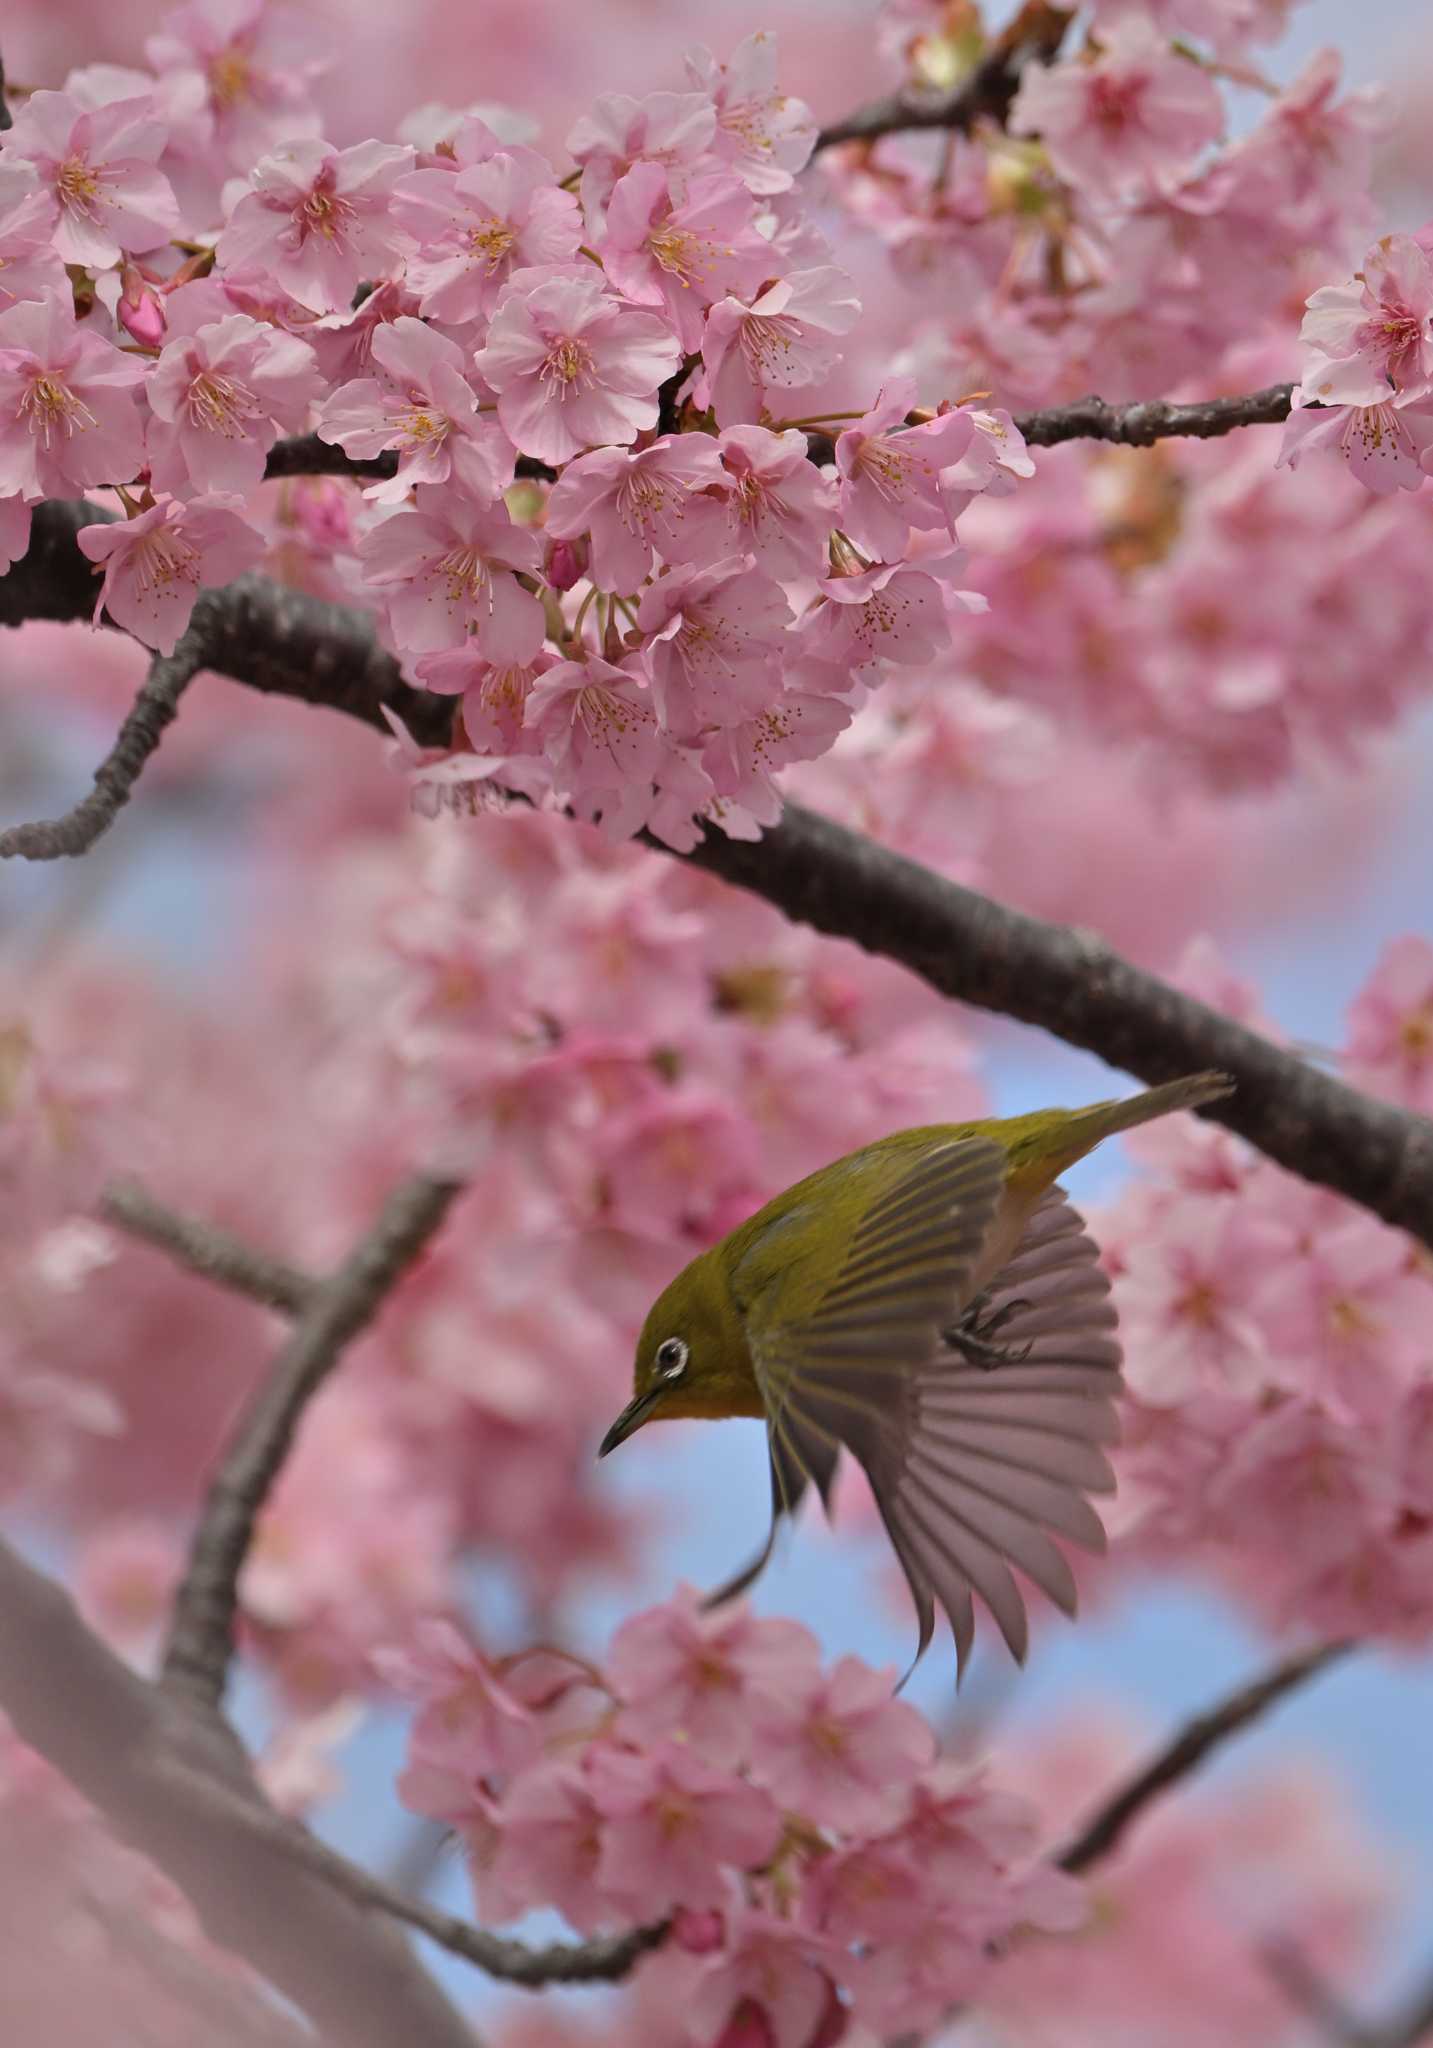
x: 933, y: 1305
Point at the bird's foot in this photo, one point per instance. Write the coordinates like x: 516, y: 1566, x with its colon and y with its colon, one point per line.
x: 974, y: 1336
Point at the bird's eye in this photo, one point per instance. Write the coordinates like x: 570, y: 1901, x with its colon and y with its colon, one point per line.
x: 671, y: 1358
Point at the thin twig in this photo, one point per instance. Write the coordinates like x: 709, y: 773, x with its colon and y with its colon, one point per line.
x: 207, y: 1250
x: 1413, y: 2027
x: 1194, y: 1742
x: 604, y: 1959
x: 201, y: 1634
x: 1035, y: 36
x: 6, y: 118
x: 1310, y: 1993
x: 152, y: 711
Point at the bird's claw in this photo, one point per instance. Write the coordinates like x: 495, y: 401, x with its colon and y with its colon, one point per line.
x: 973, y: 1336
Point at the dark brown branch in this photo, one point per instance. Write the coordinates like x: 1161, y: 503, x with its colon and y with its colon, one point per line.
x: 1155, y: 419
x: 147, y: 1762
x: 1413, y: 2028
x: 1084, y: 419
x: 1194, y: 1742
x: 1067, y: 982
x: 196, y: 1657
x: 1035, y: 35
x: 307, y: 455
x: 207, y: 1250
x: 153, y: 710
x: 1070, y: 983
x: 6, y: 118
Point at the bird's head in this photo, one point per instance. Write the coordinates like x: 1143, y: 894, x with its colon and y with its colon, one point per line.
x: 692, y: 1358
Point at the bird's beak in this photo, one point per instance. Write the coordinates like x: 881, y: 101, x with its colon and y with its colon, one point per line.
x: 632, y: 1417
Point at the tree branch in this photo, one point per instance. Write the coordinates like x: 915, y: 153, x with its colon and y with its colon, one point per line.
x: 200, y: 1644
x: 207, y: 1250
x: 1035, y: 35
x: 1194, y: 1742
x: 154, y: 709
x: 1138, y: 425
x: 1066, y: 981
x: 1413, y: 2027
x: 145, y: 1761
x: 1154, y: 419
x: 1071, y: 984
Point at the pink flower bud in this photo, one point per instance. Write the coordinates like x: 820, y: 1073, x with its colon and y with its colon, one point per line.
x: 141, y: 310
x: 566, y: 562
x: 698, y: 1933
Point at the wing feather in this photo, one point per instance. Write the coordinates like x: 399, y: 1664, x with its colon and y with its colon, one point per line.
x: 976, y: 1469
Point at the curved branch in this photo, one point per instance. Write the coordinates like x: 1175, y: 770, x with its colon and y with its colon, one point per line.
x: 1035, y: 35
x: 147, y: 1763
x: 1066, y: 981
x: 207, y: 1250
x: 1071, y: 984
x: 1194, y: 1742
x: 153, y: 710
x: 200, y: 1644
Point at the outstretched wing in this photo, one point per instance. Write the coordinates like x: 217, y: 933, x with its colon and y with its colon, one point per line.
x: 975, y: 1466
x: 983, y: 1464
x: 831, y: 1371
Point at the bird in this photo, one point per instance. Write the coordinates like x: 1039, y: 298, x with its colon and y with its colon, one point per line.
x: 933, y: 1305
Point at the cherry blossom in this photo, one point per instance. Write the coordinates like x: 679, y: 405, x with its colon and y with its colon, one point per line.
x: 689, y: 1671
x: 476, y: 225
x: 422, y: 405
x: 31, y: 267
x: 218, y: 397
x: 447, y: 565
x: 571, y: 365
x: 764, y: 134
x: 768, y: 500
x: 594, y: 723
x: 672, y: 1822
x: 784, y: 338
x: 891, y: 481
x: 633, y: 505
x: 681, y: 253
x: 888, y: 612
x: 319, y: 218
x: 670, y: 129
x: 1390, y: 1026
x: 255, y: 61
x: 712, y: 644
x: 1137, y: 112
x: 841, y: 1746
x: 156, y: 563
x: 68, y: 417
x: 101, y: 168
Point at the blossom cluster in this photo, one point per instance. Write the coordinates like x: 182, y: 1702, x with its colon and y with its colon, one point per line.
x: 1279, y: 1357
x: 692, y: 604
x: 622, y: 1058
x: 606, y: 532
x: 821, y: 1866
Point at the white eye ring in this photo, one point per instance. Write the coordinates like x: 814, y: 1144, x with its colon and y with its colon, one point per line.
x: 672, y: 1355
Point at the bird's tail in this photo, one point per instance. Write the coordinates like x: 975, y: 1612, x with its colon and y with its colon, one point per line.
x: 1089, y: 1127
